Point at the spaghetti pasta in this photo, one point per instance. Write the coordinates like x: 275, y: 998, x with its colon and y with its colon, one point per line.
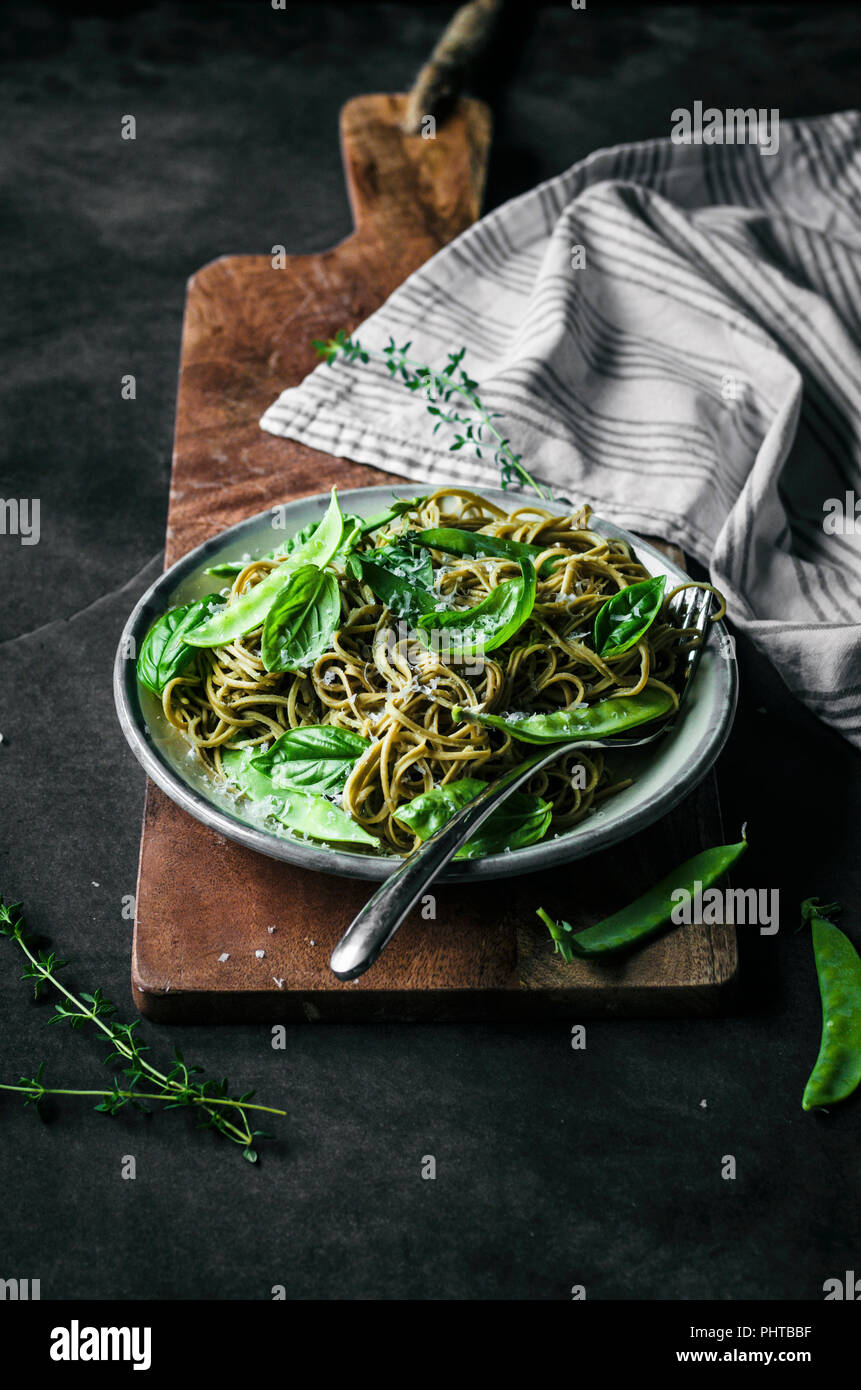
x: 397, y: 688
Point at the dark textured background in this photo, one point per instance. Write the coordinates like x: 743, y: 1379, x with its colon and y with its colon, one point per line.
x: 554, y: 1167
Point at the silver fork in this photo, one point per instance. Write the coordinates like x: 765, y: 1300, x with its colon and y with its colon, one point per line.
x: 371, y: 931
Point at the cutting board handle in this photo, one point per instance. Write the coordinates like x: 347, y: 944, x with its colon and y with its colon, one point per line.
x: 441, y: 79
x: 425, y: 188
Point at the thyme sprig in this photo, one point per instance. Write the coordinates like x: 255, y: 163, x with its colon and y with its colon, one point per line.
x: 173, y: 1089
x: 440, y: 388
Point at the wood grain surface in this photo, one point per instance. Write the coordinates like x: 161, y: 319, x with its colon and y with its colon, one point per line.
x: 247, y: 334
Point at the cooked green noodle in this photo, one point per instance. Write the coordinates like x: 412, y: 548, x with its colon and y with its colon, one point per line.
x: 380, y: 682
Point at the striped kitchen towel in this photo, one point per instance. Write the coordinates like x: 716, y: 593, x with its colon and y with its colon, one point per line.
x: 671, y: 332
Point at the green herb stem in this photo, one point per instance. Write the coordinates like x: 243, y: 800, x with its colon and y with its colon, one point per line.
x: 439, y: 388
x: 174, y: 1089
x: 136, y: 1095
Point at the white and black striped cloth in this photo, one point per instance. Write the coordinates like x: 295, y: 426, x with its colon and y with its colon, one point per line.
x: 698, y: 377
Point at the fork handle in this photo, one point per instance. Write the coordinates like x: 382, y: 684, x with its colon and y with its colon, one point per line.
x: 371, y: 931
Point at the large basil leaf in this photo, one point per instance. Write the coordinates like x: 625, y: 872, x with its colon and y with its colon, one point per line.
x: 404, y: 598
x: 491, y: 622
x: 623, y: 619
x: 456, y: 542
x: 522, y: 819
x: 307, y: 813
x: 302, y: 620
x: 163, y: 652
x: 316, y: 757
x: 247, y: 611
x: 601, y: 720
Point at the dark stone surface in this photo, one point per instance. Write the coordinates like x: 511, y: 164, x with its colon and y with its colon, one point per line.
x: 555, y: 1167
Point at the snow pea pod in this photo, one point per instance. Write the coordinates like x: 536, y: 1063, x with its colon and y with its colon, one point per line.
x: 400, y: 506
x: 601, y: 720
x: 456, y: 542
x: 837, y: 1070
x: 247, y: 611
x: 308, y: 813
x: 637, y: 923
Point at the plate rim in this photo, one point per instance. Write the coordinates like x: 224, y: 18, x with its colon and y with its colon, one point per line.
x: 565, y: 848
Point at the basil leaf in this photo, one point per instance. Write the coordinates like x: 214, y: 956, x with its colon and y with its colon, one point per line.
x: 356, y: 529
x: 428, y: 812
x: 623, y: 619
x: 407, y: 562
x: 246, y: 612
x: 316, y: 757
x: 521, y: 820
x: 302, y: 620
x: 163, y: 652
x: 305, y: 812
x: 404, y: 598
x: 601, y: 720
x: 491, y: 622
x: 456, y: 542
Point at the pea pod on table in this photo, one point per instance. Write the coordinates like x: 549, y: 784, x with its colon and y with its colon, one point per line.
x: 837, y: 1071
x: 642, y: 919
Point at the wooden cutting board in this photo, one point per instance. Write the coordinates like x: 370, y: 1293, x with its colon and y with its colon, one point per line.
x: 247, y: 334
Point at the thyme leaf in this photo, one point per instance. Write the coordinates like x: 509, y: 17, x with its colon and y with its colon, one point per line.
x: 143, y: 1082
x: 443, y: 391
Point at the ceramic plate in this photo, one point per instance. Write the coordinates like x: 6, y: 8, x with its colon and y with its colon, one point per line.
x: 663, y: 775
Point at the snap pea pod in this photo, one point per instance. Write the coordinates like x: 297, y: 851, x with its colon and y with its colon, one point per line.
x: 400, y: 506
x: 837, y: 1071
x: 601, y: 720
x: 246, y: 612
x: 355, y: 529
x: 456, y: 542
x: 637, y: 923
x: 308, y: 813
